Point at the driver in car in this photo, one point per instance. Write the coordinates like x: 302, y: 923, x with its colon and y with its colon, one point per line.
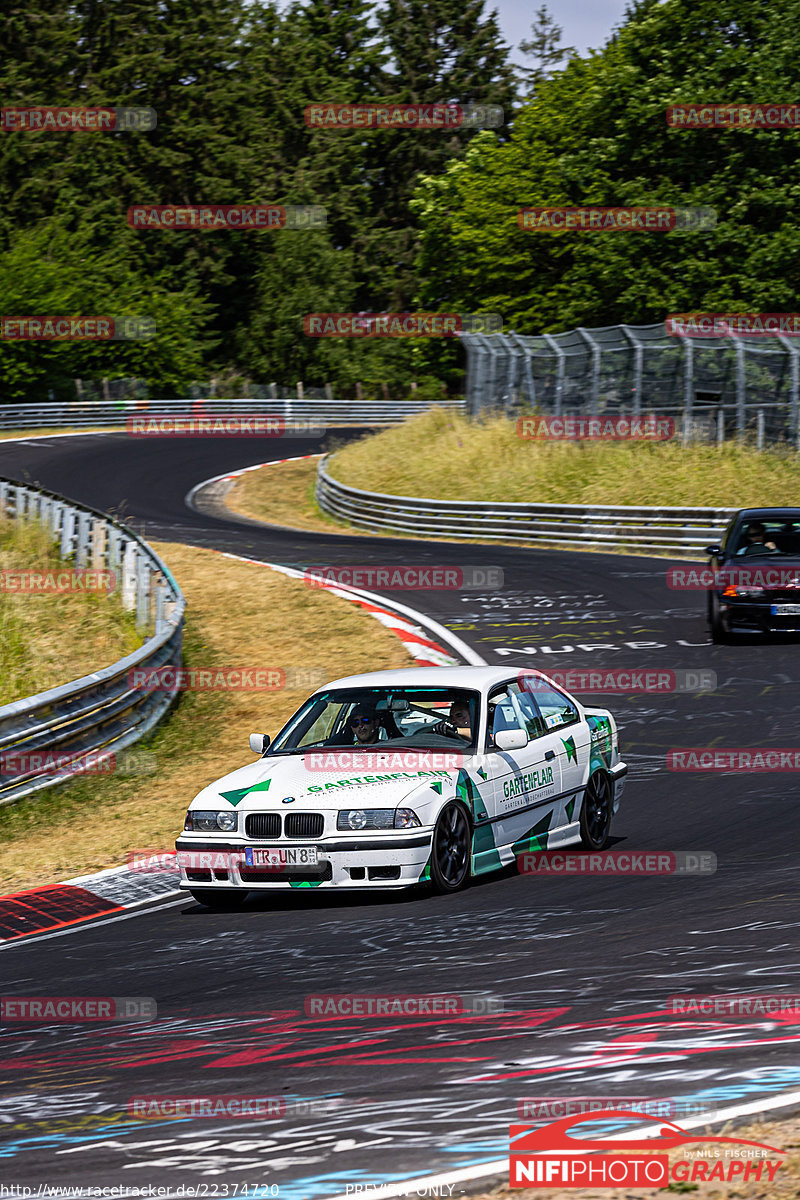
x: 458, y: 721
x: 365, y: 725
x: 756, y: 540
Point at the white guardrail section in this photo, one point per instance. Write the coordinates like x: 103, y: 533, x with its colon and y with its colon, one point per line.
x: 617, y: 527
x: 82, y: 414
x: 100, y: 713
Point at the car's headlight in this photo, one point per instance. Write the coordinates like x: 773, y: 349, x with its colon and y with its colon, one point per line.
x: 734, y: 589
x: 365, y: 818
x: 203, y: 821
x: 406, y: 818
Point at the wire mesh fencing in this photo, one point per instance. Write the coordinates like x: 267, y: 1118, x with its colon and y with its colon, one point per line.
x: 717, y: 387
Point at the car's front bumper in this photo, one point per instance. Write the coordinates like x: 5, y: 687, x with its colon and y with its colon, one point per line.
x: 757, y: 617
x: 358, y: 862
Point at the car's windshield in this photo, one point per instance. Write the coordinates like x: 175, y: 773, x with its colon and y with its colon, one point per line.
x: 423, y: 718
x: 767, y: 537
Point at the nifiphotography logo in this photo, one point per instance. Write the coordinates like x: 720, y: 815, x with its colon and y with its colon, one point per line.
x: 550, y: 1156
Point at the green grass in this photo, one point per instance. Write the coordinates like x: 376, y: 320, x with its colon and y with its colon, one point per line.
x: 47, y: 639
x: 447, y: 457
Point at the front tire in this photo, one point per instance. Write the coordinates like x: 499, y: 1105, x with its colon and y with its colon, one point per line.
x: 219, y: 900
x: 451, y: 849
x: 596, y: 811
x: 719, y: 634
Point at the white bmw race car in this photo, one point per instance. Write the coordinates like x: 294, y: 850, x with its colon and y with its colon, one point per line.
x: 428, y: 775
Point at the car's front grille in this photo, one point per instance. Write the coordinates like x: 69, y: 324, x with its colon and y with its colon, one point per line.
x: 322, y: 874
x: 263, y: 825
x: 308, y: 825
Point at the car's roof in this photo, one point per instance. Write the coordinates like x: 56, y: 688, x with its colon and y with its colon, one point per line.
x: 478, y: 678
x: 783, y: 514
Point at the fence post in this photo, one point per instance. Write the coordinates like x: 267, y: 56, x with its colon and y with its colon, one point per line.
x: 741, y: 410
x: 299, y: 390
x: 595, y: 349
x: 329, y: 391
x: 720, y: 427
x: 560, y: 371
x: 760, y: 429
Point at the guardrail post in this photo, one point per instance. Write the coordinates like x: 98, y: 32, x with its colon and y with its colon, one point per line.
x: 82, y: 544
x: 129, y: 576
x: 142, y: 590
x: 67, y: 531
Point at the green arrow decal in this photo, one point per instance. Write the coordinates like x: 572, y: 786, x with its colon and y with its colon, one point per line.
x: 482, y: 773
x: 569, y: 746
x: 239, y: 794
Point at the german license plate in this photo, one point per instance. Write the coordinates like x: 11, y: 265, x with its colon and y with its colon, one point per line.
x: 280, y: 857
x: 785, y: 610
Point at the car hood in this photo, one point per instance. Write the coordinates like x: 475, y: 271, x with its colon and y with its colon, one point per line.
x: 272, y: 783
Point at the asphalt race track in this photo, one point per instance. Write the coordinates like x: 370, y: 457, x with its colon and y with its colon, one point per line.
x: 584, y: 965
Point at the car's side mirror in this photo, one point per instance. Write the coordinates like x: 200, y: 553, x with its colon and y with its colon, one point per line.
x: 259, y: 742
x: 713, y: 549
x: 510, y: 739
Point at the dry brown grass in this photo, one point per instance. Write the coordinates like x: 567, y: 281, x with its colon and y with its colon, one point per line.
x: 7, y: 434
x: 47, y: 639
x: 281, y: 494
x: 786, y: 1186
x: 239, y: 615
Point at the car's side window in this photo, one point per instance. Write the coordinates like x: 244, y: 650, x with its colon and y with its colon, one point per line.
x: 556, y: 709
x: 531, y: 720
x: 502, y: 714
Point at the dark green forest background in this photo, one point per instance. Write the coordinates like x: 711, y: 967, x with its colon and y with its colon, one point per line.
x: 416, y: 220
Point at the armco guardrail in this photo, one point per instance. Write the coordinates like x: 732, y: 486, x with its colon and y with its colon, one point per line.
x: 100, y: 713
x: 617, y: 527
x: 82, y: 414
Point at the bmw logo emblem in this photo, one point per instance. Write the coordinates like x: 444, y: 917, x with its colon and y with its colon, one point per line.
x: 288, y: 799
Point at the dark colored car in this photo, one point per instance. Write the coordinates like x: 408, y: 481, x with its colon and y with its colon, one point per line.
x: 756, y: 568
